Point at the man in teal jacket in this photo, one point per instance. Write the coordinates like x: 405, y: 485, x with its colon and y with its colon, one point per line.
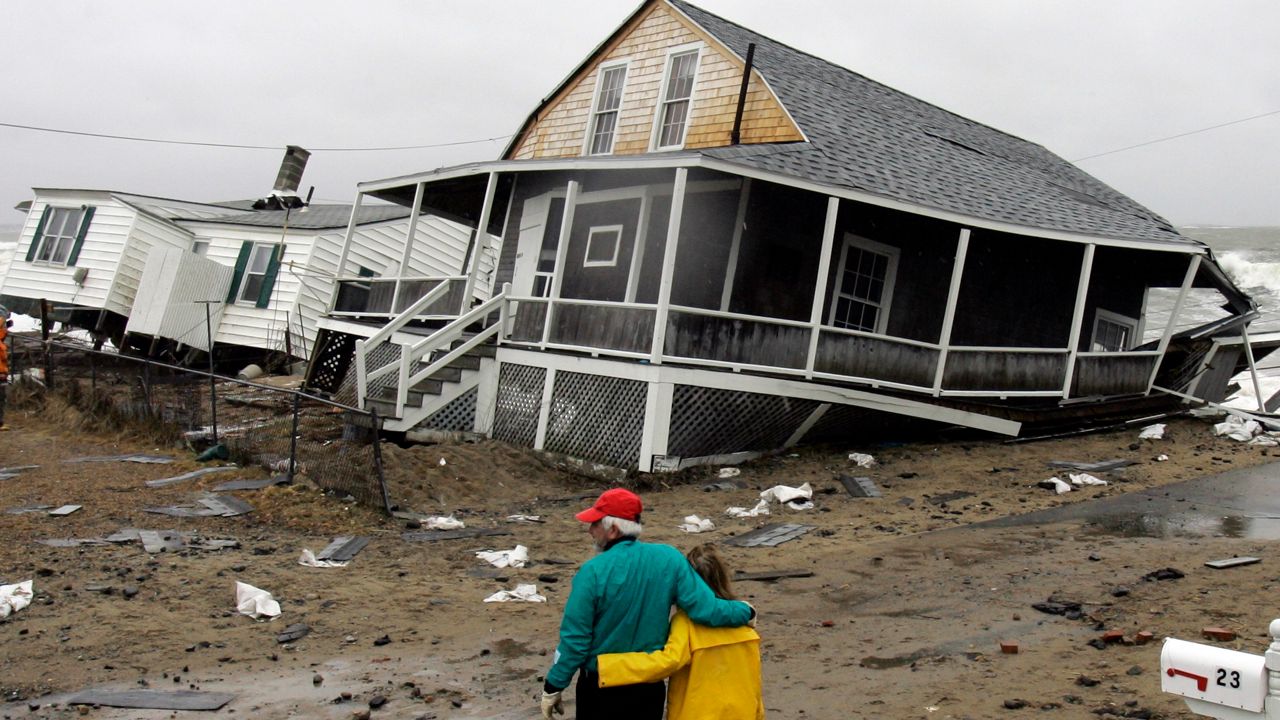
x: 621, y: 602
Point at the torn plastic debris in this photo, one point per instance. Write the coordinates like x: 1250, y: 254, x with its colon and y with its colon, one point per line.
x: 308, y: 558
x: 761, y: 508
x: 1081, y: 479
x: 729, y: 472
x: 695, y: 524
x: 1237, y: 428
x: 522, y: 593
x: 1152, y: 432
x: 862, y: 460
x: 1266, y: 439
x: 1162, y: 457
x: 443, y: 523
x: 794, y: 498
x: 255, y: 602
x: 525, y: 519
x: 1056, y: 485
x: 15, y: 597
x: 515, y: 558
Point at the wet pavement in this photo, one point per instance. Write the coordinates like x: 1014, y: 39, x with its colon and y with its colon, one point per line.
x: 1242, y: 503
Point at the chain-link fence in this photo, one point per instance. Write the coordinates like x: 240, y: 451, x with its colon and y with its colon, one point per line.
x: 283, y: 430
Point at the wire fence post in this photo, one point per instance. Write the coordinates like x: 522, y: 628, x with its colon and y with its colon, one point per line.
x: 93, y: 376
x: 45, y: 323
x: 377, y: 459
x: 146, y: 388
x: 293, y: 437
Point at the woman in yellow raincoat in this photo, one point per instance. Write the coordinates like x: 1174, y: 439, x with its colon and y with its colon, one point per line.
x: 715, y: 672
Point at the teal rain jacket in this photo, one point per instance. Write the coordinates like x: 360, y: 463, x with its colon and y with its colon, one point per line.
x: 621, y: 602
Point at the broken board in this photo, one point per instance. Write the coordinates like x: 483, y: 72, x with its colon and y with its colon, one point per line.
x: 164, y: 482
x: 152, y: 699
x: 64, y: 510
x: 1232, y: 562
x: 770, y: 575
x: 859, y: 487
x: 343, y: 548
x: 432, y: 535
x: 1100, y: 466
x: 135, y: 458
x: 251, y: 484
x: 769, y: 535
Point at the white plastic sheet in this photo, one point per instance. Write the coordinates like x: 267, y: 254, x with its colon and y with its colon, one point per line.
x: 15, y: 597
x: 443, y: 523
x: 862, y: 460
x: 1152, y: 432
x: 522, y: 593
x: 761, y: 508
x: 255, y: 602
x: 515, y: 558
x: 695, y: 524
x: 729, y: 472
x: 1059, y: 486
x: 308, y: 558
x: 1237, y: 428
x: 1081, y: 479
x: 795, y: 498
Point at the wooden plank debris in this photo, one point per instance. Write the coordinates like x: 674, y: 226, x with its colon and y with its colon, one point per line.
x: 859, y: 487
x: 770, y: 575
x: 769, y: 535
x: 226, y: 505
x: 252, y: 484
x: 1092, y: 467
x: 1232, y: 562
x: 165, y: 482
x: 72, y: 542
x: 152, y: 699
x: 11, y: 471
x: 27, y: 509
x: 949, y: 497
x: 64, y: 510
x: 135, y: 458
x: 433, y: 535
x: 343, y: 548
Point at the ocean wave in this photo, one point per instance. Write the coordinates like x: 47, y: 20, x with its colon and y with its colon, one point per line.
x: 1251, y: 274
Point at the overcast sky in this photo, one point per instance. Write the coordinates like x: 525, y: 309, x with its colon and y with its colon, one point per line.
x: 1080, y: 77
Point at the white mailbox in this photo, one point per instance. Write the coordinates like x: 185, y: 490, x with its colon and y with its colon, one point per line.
x: 1213, y: 674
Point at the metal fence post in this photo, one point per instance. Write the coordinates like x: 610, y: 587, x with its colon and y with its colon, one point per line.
x: 45, y: 323
x: 93, y: 376
x: 377, y: 459
x: 293, y: 437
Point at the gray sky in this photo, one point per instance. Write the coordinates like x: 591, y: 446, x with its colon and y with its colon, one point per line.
x: 1080, y: 77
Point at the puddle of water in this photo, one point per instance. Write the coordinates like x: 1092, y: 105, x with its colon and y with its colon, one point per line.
x: 1151, y: 525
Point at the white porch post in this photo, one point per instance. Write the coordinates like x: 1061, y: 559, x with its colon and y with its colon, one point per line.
x: 637, y: 251
x: 544, y: 410
x: 418, y: 191
x: 1077, y: 318
x: 668, y: 266
x: 1253, y: 369
x: 949, y: 314
x: 656, y: 434
x: 481, y: 243
x: 562, y: 251
x: 819, y: 283
x: 486, y: 399
x: 731, y: 267
x: 1190, y: 277
x: 346, y: 249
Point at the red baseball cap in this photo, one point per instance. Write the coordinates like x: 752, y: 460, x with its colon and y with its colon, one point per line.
x: 617, y: 502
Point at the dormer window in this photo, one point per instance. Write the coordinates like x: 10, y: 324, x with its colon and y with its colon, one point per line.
x: 604, y: 116
x: 677, y: 95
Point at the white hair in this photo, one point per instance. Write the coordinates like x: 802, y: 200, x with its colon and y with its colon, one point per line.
x: 627, y: 528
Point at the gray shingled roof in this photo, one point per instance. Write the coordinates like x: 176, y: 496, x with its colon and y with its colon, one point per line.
x: 869, y: 137
x: 315, y: 217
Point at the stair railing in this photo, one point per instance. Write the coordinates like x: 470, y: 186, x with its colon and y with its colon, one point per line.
x: 365, y: 346
x: 442, y: 338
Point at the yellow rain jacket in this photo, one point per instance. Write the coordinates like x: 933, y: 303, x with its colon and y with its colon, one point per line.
x: 715, y: 672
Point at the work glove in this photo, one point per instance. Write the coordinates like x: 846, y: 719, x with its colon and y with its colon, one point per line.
x: 551, y: 703
x: 752, y: 622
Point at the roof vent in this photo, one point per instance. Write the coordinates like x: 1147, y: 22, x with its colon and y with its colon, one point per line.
x: 290, y: 177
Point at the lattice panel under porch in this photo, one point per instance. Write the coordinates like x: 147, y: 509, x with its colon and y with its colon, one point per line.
x: 515, y: 417
x: 332, y: 361
x: 596, y: 417
x: 458, y: 416
x: 839, y: 424
x: 384, y: 354
x: 708, y: 421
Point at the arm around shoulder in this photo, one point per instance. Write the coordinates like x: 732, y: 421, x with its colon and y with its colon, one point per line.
x: 641, y: 667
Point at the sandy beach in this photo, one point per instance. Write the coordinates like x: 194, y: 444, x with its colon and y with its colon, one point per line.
x: 903, y: 615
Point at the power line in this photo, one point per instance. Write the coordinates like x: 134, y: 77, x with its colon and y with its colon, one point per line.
x: 245, y: 147
x: 1179, y: 135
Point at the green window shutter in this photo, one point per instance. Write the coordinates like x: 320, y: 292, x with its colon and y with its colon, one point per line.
x: 269, y: 280
x: 365, y: 272
x: 35, y: 239
x: 84, y: 230
x: 242, y: 260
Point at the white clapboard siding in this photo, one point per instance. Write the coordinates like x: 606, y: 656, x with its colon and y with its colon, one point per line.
x: 148, y: 233
x: 99, y: 256
x: 173, y: 283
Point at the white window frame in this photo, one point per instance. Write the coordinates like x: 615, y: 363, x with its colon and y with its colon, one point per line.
x: 591, y: 236
x: 269, y: 248
x: 594, y: 116
x: 890, y: 277
x: 62, y: 241
x: 1100, y: 316
x: 660, y: 102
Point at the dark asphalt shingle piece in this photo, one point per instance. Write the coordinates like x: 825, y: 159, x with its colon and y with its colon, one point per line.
x: 152, y: 699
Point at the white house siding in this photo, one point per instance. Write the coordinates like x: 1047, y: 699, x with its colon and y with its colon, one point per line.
x: 170, y: 294
x: 100, y: 255
x: 147, y: 234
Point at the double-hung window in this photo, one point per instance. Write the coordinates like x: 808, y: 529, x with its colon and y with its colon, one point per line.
x: 1113, y: 332
x: 864, y: 285
x: 604, y: 115
x: 59, y: 235
x: 255, y: 272
x: 677, y: 97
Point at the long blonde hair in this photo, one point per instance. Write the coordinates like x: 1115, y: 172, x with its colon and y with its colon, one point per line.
x: 705, y: 559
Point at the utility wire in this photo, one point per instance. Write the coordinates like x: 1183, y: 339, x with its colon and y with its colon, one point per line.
x: 246, y: 147
x: 1179, y: 135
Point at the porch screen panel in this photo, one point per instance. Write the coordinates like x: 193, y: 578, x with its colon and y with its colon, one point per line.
x: 585, y: 281
x: 702, y: 255
x: 519, y: 402
x: 594, y: 417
